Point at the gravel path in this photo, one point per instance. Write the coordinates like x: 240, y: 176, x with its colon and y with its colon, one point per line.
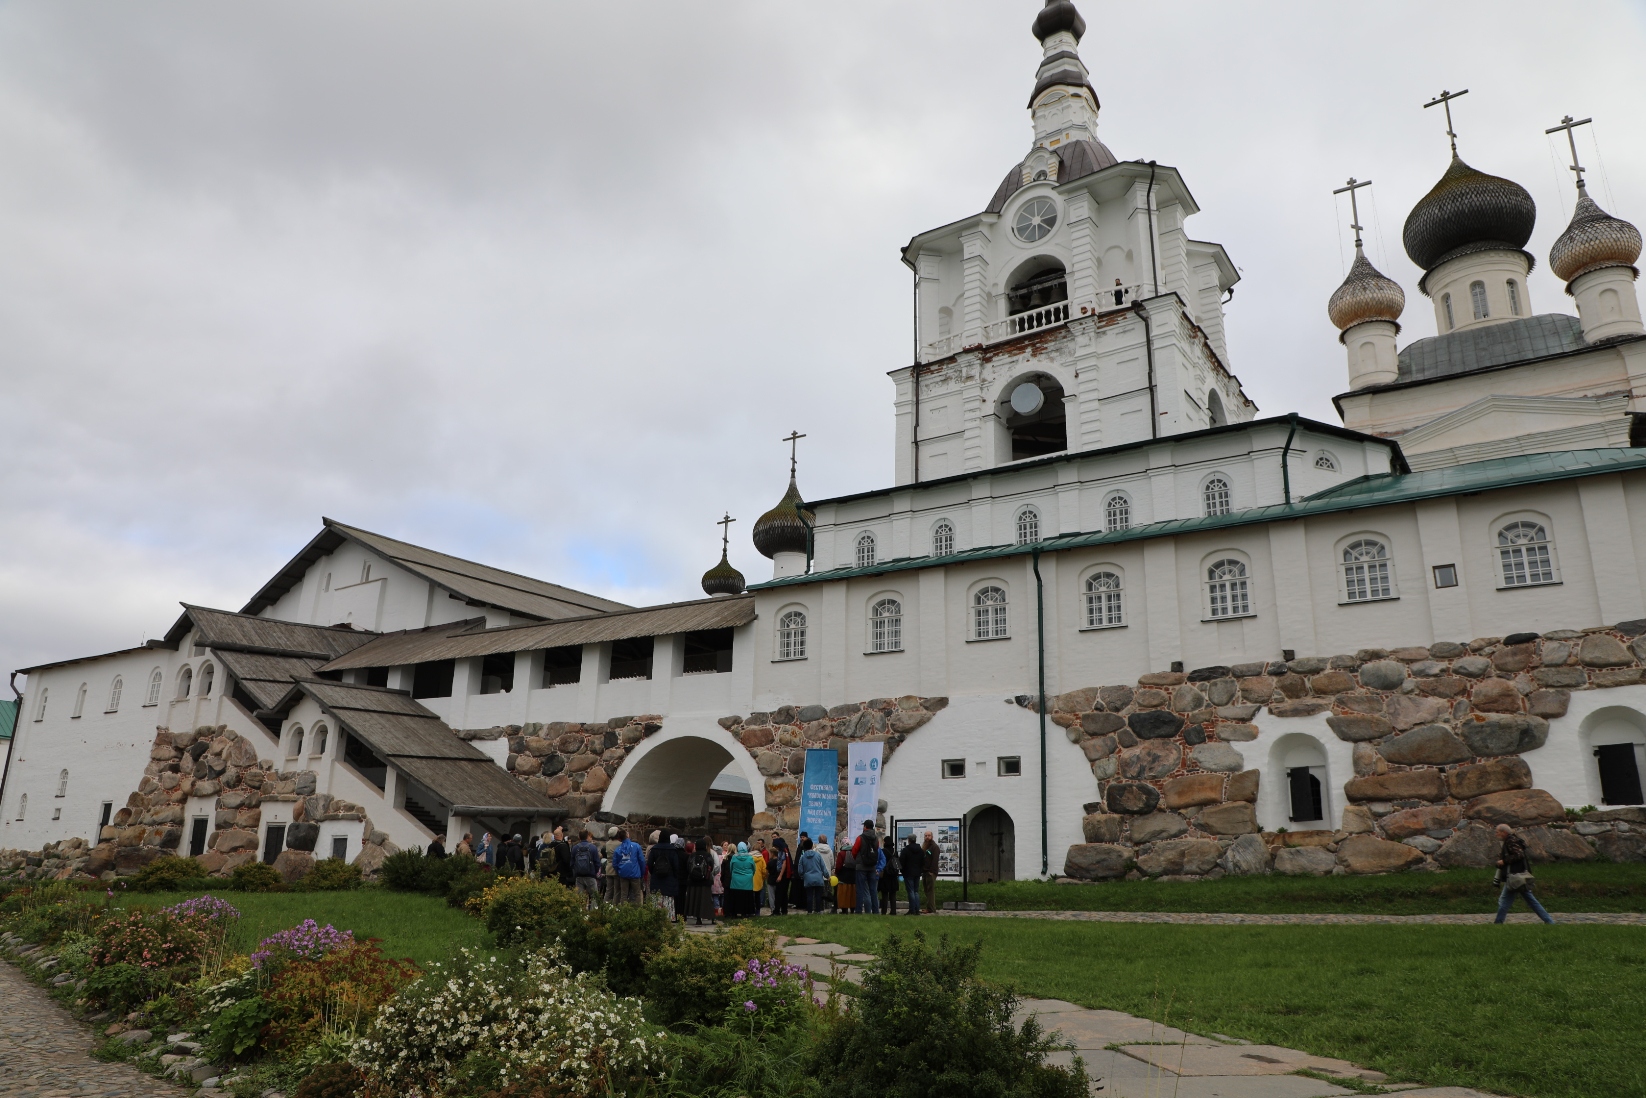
x: 46, y: 1053
x: 1196, y: 918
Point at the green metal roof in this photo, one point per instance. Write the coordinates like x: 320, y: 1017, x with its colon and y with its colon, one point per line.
x: 1358, y: 494
x: 8, y: 717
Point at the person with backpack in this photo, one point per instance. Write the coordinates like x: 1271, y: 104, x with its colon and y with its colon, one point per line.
x: 585, y: 867
x: 912, y: 861
x: 813, y: 874
x: 866, y: 858
x: 665, y: 883
x: 1514, y: 875
x: 629, y: 865
x: 698, y: 902
x: 888, y: 877
x: 780, y: 874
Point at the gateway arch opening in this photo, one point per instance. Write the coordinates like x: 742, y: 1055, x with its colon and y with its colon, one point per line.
x: 690, y: 782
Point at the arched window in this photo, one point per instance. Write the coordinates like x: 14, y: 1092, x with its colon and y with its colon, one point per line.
x: 1215, y: 415
x: 317, y: 746
x: 1226, y: 592
x: 1105, y: 601
x: 1514, y: 297
x: 989, y: 614
x: 207, y: 673
x: 943, y: 539
x: 1216, y: 497
x: 1526, y: 554
x: 1477, y: 298
x: 40, y: 706
x: 185, y: 683
x: 62, y: 783
x: 365, y: 572
x: 1446, y: 303
x: 1028, y: 526
x: 22, y: 807
x: 1325, y: 461
x: 886, y: 626
x: 1117, y: 513
x: 79, y: 701
x: 1366, y: 571
x: 115, y: 691
x: 295, y: 748
x: 791, y: 635
x: 155, y: 681
x: 865, y: 550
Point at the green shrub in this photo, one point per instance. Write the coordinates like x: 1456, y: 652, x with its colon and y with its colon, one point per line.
x: 407, y: 871
x: 239, y: 1028
x: 714, y: 1062
x: 462, y: 879
x: 120, y: 987
x: 691, y: 980
x: 331, y: 1081
x: 457, y: 879
x: 168, y: 874
x: 618, y: 939
x: 257, y: 877
x: 532, y: 913
x: 74, y: 951
x: 330, y: 875
x: 924, y: 1019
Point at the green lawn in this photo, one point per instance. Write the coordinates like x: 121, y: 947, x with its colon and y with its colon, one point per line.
x: 1568, y: 887
x: 1549, y: 1012
x: 411, y: 925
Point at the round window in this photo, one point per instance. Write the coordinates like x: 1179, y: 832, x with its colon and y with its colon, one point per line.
x: 1036, y: 219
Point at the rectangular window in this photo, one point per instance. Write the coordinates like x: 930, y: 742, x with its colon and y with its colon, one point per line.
x: 1524, y: 565
x: 365, y: 761
x: 707, y: 652
x: 497, y: 673
x: 197, y: 836
x: 1365, y: 580
x: 1228, y: 598
x: 631, y: 659
x: 1619, y: 773
x: 1009, y: 766
x: 1445, y: 575
x: 1307, y: 800
x: 340, y: 848
x: 433, y: 679
x: 274, y: 841
x: 377, y: 676
x: 104, y: 817
x: 954, y: 768
x: 562, y: 666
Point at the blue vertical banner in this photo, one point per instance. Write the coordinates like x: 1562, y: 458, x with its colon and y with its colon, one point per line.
x: 820, y: 793
x: 862, y: 783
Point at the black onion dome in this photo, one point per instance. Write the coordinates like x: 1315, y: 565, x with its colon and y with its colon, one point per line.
x: 1059, y: 15
x: 1468, y: 211
x: 723, y: 579
x: 782, y: 529
x: 1367, y: 294
x: 1593, y: 240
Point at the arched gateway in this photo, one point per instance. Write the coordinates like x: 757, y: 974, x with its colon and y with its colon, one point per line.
x: 670, y: 774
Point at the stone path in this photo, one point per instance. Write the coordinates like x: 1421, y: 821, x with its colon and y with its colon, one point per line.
x: 1133, y: 1057
x: 46, y: 1053
x: 1198, y: 918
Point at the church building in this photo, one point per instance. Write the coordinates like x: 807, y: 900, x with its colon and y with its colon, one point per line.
x: 1107, y: 619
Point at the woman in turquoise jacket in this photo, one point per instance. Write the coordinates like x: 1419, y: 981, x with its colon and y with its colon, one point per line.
x: 741, y: 896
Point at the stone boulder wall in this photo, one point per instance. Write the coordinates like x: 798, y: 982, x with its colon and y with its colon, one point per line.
x: 1437, y: 734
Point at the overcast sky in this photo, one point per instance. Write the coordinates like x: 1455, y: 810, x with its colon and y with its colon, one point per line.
x: 542, y: 283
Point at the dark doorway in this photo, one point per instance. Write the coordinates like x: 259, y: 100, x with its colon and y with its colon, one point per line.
x: 1619, y: 773
x: 1036, y: 420
x: 632, y: 659
x: 708, y: 651
x: 433, y: 679
x: 1308, y: 802
x: 1043, y: 288
x: 497, y: 673
x: 197, y: 837
x: 274, y: 841
x: 562, y: 666
x: 991, y: 846
x: 730, y: 816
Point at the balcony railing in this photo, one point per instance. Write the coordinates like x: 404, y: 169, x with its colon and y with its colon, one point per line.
x: 1031, y: 321
x: 1035, y: 320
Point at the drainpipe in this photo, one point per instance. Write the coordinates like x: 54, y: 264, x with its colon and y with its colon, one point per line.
x: 16, y: 729
x: 1285, y: 466
x: 1154, y: 262
x: 914, y: 377
x: 1040, y: 705
x: 1148, y: 350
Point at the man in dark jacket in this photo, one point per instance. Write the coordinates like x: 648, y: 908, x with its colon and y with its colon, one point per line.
x: 511, y: 855
x: 437, y: 849
x: 562, y: 859
x: 1514, y: 873
x: 912, y: 861
x: 928, y: 881
x: 866, y: 857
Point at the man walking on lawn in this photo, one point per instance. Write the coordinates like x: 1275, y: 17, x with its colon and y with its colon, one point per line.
x: 1514, y: 873
x: 585, y: 866
x: 629, y: 863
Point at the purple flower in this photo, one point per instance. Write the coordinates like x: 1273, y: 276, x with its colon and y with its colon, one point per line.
x: 206, y: 907
x: 306, y: 941
x: 748, y: 1005
x: 738, y: 976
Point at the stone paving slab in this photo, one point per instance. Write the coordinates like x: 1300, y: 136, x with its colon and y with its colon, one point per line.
x: 1095, y: 1029
x: 1202, y: 918
x: 46, y: 1053
x: 1213, y: 1059
x: 1225, y: 1086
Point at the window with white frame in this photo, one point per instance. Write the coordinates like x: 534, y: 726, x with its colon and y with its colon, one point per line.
x: 865, y: 550
x: 40, y: 706
x: 1216, y: 497
x: 1105, y: 600
x: 1325, y: 461
x: 185, y: 683
x: 1117, y: 513
x: 989, y: 614
x: 317, y: 742
x: 207, y: 673
x: 1525, y: 554
x: 1477, y: 300
x: 942, y: 539
x: 62, y: 783
x: 80, y: 701
x: 886, y: 626
x: 115, y: 690
x: 791, y: 635
x: 1514, y: 297
x: 1227, y: 595
x: 155, y: 681
x: 1366, y: 571
x: 1028, y: 526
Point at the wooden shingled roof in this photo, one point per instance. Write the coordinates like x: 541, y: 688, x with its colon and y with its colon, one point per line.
x: 224, y: 629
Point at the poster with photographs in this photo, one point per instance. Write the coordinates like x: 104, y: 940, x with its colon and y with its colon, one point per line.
x: 945, y: 833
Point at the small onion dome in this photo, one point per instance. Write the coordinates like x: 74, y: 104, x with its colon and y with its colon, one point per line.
x: 723, y: 579
x: 782, y: 529
x: 1593, y: 240
x: 1468, y: 211
x: 1059, y: 15
x: 1367, y: 294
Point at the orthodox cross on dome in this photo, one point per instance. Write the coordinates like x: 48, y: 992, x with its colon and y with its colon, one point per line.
x: 1445, y: 99
x: 1354, y: 206
x: 793, y: 440
x: 1570, y: 127
x: 725, y: 525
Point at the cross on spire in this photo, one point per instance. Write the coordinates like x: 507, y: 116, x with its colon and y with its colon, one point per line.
x: 1445, y: 99
x: 1570, y: 127
x: 793, y: 440
x: 725, y: 525
x: 1354, y: 207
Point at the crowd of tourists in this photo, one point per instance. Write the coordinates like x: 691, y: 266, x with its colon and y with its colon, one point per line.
x: 696, y: 878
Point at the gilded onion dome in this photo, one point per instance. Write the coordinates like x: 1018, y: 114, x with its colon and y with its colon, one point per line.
x: 1593, y: 240
x: 723, y: 579
x: 1468, y: 211
x: 785, y: 528
x: 1367, y: 294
